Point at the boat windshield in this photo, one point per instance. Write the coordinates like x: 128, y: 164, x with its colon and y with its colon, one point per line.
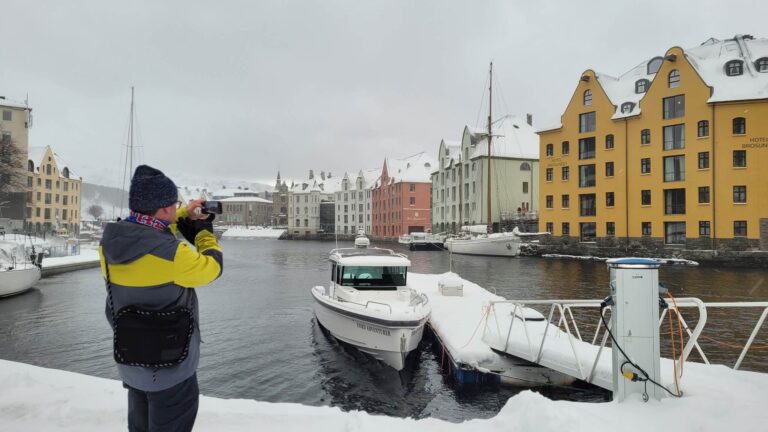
x: 363, y: 276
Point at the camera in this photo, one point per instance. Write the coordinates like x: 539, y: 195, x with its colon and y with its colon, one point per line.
x: 211, y: 207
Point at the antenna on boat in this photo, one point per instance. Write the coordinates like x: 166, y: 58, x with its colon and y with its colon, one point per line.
x: 128, y: 167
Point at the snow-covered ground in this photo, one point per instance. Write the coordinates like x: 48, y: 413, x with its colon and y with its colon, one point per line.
x: 668, y: 261
x: 87, y: 255
x: 38, y: 399
x: 253, y: 232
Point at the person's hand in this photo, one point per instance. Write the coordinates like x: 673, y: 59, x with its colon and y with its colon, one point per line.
x: 195, y: 209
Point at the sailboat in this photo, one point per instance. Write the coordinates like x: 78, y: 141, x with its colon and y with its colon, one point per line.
x: 488, y: 243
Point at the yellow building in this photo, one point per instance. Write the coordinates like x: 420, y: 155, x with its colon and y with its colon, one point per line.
x: 670, y: 155
x: 53, y: 202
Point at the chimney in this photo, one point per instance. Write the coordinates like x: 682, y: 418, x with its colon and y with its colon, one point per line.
x: 322, y: 175
x: 311, y: 174
x: 529, y: 119
x: 329, y: 174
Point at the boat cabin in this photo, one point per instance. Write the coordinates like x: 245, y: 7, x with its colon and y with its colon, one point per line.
x: 369, y: 269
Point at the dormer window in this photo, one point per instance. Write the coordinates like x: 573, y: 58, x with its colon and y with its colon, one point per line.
x: 65, y: 172
x: 734, y: 68
x: 30, y: 166
x: 654, y: 65
x: 674, y: 79
x: 641, y: 86
x: 762, y: 64
x: 587, y: 97
x: 626, y: 107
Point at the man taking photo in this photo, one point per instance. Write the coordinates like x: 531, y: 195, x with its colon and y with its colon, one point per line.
x: 151, y: 302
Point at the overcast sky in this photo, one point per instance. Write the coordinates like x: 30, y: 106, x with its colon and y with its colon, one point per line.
x: 236, y: 90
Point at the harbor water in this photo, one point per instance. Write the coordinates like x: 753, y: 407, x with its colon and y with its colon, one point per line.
x: 261, y: 340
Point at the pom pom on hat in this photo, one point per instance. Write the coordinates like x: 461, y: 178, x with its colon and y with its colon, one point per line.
x: 151, y: 190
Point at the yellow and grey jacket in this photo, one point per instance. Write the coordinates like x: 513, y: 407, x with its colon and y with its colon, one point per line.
x: 152, y: 269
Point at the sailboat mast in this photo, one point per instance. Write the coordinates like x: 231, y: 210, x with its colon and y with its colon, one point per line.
x: 130, y: 138
x: 490, y: 137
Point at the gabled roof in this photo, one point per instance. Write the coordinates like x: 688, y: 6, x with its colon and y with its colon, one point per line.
x: 622, y: 90
x: 412, y: 169
x: 13, y: 104
x: 513, y: 137
x: 37, y: 154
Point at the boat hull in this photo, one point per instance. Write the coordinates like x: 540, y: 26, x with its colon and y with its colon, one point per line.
x: 504, y: 245
x: 17, y: 281
x: 389, y: 341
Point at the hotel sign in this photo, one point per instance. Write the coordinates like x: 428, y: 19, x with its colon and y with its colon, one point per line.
x: 756, y: 142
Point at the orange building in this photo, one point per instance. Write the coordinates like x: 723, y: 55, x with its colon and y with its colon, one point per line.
x: 401, y: 197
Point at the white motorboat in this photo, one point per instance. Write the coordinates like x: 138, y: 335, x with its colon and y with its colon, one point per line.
x: 428, y: 241
x: 17, y: 272
x: 498, y: 244
x: 369, y: 305
x: 404, y: 239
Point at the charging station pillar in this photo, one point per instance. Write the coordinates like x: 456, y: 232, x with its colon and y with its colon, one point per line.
x: 635, y: 324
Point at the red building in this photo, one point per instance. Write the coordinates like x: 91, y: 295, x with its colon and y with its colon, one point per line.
x: 401, y: 199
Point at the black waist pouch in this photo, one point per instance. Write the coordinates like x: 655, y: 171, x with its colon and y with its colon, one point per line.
x: 152, y: 339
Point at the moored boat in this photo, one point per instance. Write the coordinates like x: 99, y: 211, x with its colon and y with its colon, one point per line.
x: 17, y: 272
x: 369, y: 305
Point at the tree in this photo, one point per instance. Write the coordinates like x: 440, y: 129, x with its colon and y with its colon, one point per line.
x: 12, y: 163
x: 96, y: 211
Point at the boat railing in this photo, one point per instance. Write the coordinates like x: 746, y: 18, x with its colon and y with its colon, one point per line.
x: 567, y: 323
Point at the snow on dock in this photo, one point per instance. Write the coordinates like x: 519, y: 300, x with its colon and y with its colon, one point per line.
x: 253, y: 232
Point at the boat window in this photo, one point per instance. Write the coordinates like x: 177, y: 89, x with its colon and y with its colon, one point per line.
x: 333, y: 272
x: 363, y: 277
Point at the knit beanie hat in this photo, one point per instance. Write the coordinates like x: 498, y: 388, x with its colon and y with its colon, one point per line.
x: 151, y: 190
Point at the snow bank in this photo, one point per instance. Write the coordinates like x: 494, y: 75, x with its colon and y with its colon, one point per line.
x: 253, y: 232
x: 38, y: 399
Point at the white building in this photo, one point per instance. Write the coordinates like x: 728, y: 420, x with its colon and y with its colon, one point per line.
x: 353, y: 202
x: 304, y: 198
x: 460, y: 185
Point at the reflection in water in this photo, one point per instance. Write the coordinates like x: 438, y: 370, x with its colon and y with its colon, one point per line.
x: 261, y: 340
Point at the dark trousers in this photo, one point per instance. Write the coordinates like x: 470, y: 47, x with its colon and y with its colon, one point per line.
x: 171, y: 410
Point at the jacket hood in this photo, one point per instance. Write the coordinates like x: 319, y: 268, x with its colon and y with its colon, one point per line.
x: 124, y: 242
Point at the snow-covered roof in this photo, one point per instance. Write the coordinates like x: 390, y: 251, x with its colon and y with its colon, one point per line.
x: 513, y: 137
x: 709, y: 60
x: 413, y: 169
x: 246, y: 199
x: 37, y: 154
x: 12, y: 104
x: 224, y: 193
x: 370, y: 176
x: 449, y: 153
x: 316, y: 184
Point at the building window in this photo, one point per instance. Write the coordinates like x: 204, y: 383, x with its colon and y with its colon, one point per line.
x: 549, y: 174
x: 525, y: 188
x: 674, y: 232
x: 608, y: 142
x: 626, y: 107
x: 566, y: 147
x: 703, y: 160
x: 739, y: 158
x: 549, y: 201
x: 674, y: 137
x: 587, y: 205
x: 525, y: 166
x: 550, y: 227
x: 412, y: 187
x: 762, y: 64
x: 587, y: 148
x: 566, y: 173
x: 703, y: 128
x: 587, y: 231
x: 674, y: 107
x: 646, y: 228
x: 645, y: 197
x: 740, y: 194
x: 674, y: 201
x: 739, y: 126
x: 734, y: 68
x: 609, y: 200
x: 739, y: 228
x: 566, y: 201
x: 645, y: 136
x: 610, y: 229
x: 7, y: 115
x: 609, y: 169
x: 587, y: 97
x: 674, y: 168
x: 587, y: 122
x: 550, y: 150
x: 645, y: 166
x: 704, y: 195
x: 641, y: 86
x: 412, y: 201
x: 48, y: 184
x: 566, y: 228
x: 586, y: 175
x: 654, y: 64
x: 704, y: 229
x: 674, y: 79
x: 47, y: 213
